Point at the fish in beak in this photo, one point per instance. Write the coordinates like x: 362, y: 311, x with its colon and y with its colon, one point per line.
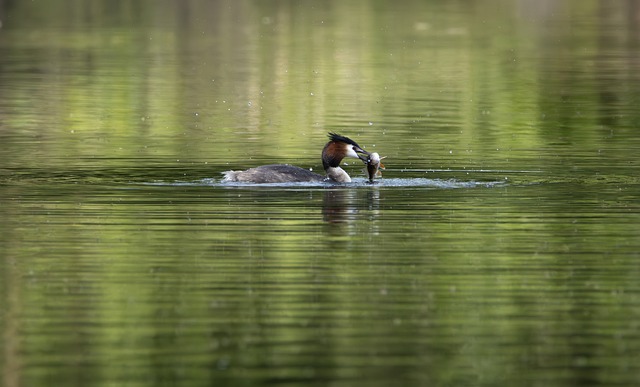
x: 362, y: 154
x: 374, y: 165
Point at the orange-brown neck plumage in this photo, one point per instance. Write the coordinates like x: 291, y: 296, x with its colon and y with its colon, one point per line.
x: 333, y: 153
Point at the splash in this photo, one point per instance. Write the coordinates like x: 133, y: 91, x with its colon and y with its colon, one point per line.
x: 359, y: 183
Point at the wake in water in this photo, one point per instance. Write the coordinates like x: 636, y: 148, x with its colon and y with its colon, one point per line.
x: 490, y: 179
x: 355, y: 183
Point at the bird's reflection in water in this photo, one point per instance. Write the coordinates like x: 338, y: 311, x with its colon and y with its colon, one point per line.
x: 344, y: 205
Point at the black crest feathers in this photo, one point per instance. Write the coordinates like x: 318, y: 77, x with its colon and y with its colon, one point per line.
x: 338, y: 138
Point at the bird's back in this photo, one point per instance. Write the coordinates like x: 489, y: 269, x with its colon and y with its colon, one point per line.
x: 274, y: 173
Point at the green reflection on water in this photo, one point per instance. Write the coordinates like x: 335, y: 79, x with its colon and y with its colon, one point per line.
x: 121, y: 265
x: 200, y: 81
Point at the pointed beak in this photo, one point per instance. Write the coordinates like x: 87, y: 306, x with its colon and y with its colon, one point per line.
x: 362, y: 154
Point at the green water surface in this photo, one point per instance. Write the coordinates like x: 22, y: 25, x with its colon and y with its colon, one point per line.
x: 500, y: 248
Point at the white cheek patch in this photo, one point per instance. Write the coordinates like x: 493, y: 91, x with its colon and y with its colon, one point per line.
x: 351, y: 152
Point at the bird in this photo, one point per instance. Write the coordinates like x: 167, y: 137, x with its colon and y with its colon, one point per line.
x: 333, y: 152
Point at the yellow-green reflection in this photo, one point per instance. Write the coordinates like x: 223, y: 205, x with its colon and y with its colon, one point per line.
x: 122, y: 265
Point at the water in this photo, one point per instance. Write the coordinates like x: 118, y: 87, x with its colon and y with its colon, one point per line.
x: 500, y: 247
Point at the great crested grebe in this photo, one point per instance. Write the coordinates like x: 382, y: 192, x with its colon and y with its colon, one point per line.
x: 336, y: 149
